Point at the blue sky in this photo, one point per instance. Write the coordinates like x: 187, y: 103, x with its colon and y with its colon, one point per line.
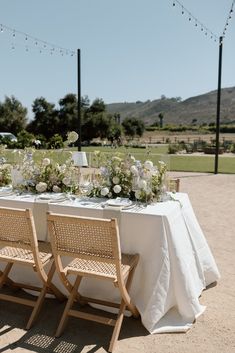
x: 130, y: 49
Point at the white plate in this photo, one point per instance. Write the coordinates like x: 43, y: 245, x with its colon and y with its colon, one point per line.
x: 119, y: 202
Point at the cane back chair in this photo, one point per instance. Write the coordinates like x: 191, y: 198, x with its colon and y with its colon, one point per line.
x: 174, y: 184
x: 19, y: 245
x: 94, y: 247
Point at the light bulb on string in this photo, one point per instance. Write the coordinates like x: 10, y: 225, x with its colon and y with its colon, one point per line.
x: 173, y: 3
x: 14, y: 34
x: 1, y: 29
x: 26, y: 38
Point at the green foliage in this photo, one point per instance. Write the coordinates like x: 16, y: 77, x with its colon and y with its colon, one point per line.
x: 45, y: 120
x: 161, y: 117
x: 173, y: 148
x: 97, y: 106
x: 55, y: 142
x: 25, y: 139
x: 67, y: 115
x: 12, y: 115
x: 133, y: 127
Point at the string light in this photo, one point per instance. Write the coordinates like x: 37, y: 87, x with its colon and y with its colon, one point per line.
x: 196, y: 22
x: 201, y: 25
x: 40, y: 44
x: 228, y: 18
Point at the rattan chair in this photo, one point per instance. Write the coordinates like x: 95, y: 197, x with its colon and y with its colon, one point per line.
x: 19, y: 245
x: 94, y: 247
x: 174, y: 184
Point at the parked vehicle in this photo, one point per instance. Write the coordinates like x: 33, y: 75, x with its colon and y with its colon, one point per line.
x: 8, y: 135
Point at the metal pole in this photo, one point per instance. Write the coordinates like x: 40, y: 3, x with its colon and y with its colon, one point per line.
x: 79, y: 99
x: 218, y: 106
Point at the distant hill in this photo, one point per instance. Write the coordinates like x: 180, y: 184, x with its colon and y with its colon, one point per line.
x: 201, y: 108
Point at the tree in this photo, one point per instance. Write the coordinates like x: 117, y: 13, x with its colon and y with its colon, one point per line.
x: 97, y: 106
x: 13, y: 116
x: 161, y: 116
x: 45, y: 120
x: 67, y: 114
x: 114, y: 133
x: 96, y: 125
x: 133, y: 127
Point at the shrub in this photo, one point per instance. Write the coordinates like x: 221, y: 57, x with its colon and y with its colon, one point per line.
x: 173, y: 148
x: 55, y: 142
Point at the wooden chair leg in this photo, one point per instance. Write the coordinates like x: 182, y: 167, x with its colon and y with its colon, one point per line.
x: 58, y: 294
x: 68, y: 306
x: 38, y: 304
x: 126, y: 301
x: 125, y: 295
x: 4, y: 274
x: 37, y: 307
x: 117, y: 326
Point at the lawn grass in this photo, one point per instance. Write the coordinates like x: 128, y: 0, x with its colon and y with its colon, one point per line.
x: 202, y: 164
x: 188, y: 163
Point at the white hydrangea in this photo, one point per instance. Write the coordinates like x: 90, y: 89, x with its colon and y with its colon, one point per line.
x: 41, y: 186
x: 104, y: 191
x: 117, y: 189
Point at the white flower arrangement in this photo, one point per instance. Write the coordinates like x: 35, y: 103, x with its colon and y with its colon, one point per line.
x: 47, y: 176
x: 127, y: 177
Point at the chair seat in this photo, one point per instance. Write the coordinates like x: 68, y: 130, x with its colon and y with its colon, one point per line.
x: 94, y: 268
x: 25, y: 255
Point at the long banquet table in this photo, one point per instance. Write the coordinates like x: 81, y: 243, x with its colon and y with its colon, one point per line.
x: 175, y: 265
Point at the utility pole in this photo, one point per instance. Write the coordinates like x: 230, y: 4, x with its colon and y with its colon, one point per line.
x: 218, y: 106
x: 79, y: 99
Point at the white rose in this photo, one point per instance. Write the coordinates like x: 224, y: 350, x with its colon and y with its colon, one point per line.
x: 56, y: 188
x: 142, y: 184
x: 138, y: 194
x: 116, y: 180
x: 134, y: 170
x: 117, y: 189
x: 148, y: 165
x: 104, y: 191
x: 66, y: 181
x: 41, y: 187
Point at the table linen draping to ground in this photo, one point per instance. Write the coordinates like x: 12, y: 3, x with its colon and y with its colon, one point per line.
x: 176, y: 263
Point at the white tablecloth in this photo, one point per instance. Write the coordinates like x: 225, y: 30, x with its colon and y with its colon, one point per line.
x: 175, y: 264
